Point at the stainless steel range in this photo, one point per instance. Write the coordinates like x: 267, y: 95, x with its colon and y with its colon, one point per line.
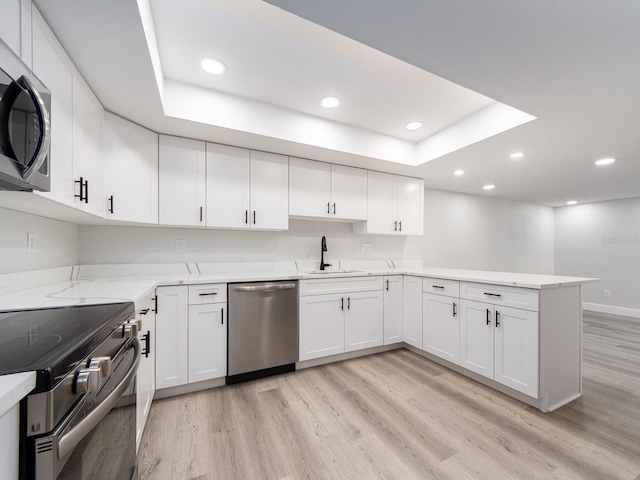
x: 79, y: 421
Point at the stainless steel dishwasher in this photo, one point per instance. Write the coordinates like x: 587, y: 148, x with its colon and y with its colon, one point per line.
x: 263, y: 329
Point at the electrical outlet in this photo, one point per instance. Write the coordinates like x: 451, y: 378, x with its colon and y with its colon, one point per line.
x: 31, y: 243
x: 366, y: 248
x: 181, y: 246
x: 606, y: 293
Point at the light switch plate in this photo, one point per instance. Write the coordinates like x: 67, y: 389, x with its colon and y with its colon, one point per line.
x: 366, y: 248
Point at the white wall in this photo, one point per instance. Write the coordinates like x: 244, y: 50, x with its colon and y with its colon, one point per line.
x: 57, y: 243
x: 602, y: 240
x: 483, y: 233
x: 301, y: 242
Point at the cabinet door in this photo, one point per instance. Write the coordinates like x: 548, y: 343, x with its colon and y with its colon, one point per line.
x: 393, y: 309
x: 52, y: 66
x: 516, y: 349
x: 146, y: 377
x: 321, y: 326
x: 363, y: 321
x: 171, y: 336
x: 207, y: 342
x: 129, y: 171
x: 228, y: 186
x: 380, y: 203
x: 10, y: 28
x: 309, y: 188
x: 269, y: 191
x: 476, y: 337
x: 181, y: 181
x: 409, y: 197
x: 413, y: 311
x: 87, y: 148
x: 348, y: 193
x: 441, y: 328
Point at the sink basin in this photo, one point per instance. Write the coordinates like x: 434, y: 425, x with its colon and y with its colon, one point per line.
x: 325, y: 272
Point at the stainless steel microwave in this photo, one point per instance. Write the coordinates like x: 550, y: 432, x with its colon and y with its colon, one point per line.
x: 25, y: 126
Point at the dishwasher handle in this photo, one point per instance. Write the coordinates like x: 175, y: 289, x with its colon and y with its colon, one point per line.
x: 267, y: 287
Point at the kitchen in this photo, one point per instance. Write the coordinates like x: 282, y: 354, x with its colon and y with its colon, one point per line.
x: 468, y: 229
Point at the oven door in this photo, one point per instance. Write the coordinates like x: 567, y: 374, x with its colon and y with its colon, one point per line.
x: 96, y: 441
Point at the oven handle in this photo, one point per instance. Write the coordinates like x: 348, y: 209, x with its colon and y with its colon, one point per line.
x: 70, y: 440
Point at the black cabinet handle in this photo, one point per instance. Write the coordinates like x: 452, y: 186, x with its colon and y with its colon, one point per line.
x: 497, y: 315
x: 207, y: 294
x: 488, y: 319
x: 395, y: 226
x: 387, y: 285
x: 254, y: 217
x: 400, y: 225
x: 110, y: 200
x: 84, y: 190
x: 246, y: 216
x: 145, y: 311
x: 437, y: 286
x: 146, y: 350
x: 492, y: 294
x: 201, y: 214
x: 334, y: 208
x: 348, y: 303
x: 342, y: 303
x: 454, y: 309
x: 328, y: 208
x: 222, y: 316
x: 155, y: 304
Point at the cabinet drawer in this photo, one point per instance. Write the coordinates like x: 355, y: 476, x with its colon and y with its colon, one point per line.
x: 322, y: 286
x: 208, y: 293
x: 524, y: 298
x: 450, y: 288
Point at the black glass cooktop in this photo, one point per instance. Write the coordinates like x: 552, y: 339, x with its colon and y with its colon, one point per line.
x: 51, y: 341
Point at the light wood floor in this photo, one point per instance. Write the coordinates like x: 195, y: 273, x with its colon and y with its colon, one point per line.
x: 397, y: 415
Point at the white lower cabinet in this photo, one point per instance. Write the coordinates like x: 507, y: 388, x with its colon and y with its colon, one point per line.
x: 441, y: 327
x: 146, y: 377
x: 412, y: 312
x: 191, y: 334
x: 393, y: 309
x: 340, y: 315
x: 500, y: 343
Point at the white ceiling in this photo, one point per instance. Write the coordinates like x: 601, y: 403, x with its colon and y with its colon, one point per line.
x: 571, y: 64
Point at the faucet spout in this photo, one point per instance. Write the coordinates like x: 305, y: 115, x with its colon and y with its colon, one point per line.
x: 323, y: 248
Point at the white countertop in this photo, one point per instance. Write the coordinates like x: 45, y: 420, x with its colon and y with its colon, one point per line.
x: 14, y: 388
x: 105, y: 289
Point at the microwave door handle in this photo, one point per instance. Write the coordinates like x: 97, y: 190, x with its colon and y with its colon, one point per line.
x: 70, y: 440
x: 6, y: 102
x: 45, y: 128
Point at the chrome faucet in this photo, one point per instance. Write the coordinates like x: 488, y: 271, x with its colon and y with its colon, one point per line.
x: 322, y: 250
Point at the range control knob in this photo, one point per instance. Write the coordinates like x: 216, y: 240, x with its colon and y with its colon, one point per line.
x: 103, y: 363
x: 88, y: 380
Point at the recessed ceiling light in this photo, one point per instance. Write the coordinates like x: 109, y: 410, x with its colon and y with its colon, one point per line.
x: 213, y: 66
x: 330, y: 102
x: 517, y: 155
x: 605, y: 161
x: 414, y: 125
x: 572, y: 202
x: 457, y: 173
x: 489, y: 187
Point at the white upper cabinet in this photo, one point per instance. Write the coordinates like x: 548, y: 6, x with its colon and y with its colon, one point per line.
x: 323, y: 190
x: 52, y: 66
x: 246, y: 189
x: 130, y: 171
x: 182, y: 180
x: 395, y: 205
x: 10, y: 28
x: 228, y: 186
x: 87, y: 149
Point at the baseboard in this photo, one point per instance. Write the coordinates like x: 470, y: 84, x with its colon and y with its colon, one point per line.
x: 611, y: 309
